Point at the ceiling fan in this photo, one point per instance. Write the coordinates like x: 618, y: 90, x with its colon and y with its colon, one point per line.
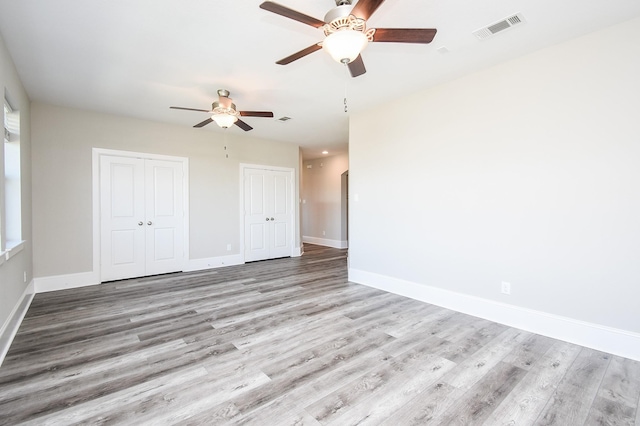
x: 225, y: 114
x: 346, y: 33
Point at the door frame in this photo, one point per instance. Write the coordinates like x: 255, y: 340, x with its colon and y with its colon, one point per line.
x: 96, y: 153
x: 292, y: 173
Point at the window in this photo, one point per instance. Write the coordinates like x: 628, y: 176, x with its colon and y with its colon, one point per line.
x: 11, y: 215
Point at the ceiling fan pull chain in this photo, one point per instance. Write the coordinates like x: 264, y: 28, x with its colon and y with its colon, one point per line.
x: 224, y: 137
x: 346, y: 83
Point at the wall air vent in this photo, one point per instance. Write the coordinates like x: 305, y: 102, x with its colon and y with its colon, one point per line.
x: 499, y: 26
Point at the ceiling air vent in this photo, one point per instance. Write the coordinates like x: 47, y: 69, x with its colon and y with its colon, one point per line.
x: 499, y: 26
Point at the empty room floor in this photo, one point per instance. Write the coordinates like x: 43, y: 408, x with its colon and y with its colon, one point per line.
x: 292, y: 342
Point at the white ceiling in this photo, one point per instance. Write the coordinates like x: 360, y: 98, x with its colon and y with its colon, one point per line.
x: 138, y: 57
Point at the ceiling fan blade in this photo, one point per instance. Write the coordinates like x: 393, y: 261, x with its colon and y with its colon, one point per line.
x: 204, y: 123
x: 291, y: 14
x: 404, y: 35
x: 268, y: 114
x: 365, y: 8
x: 190, y: 109
x: 356, y: 67
x: 244, y: 126
x: 300, y: 54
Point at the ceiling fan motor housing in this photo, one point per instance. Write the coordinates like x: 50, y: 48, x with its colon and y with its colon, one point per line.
x: 338, y: 12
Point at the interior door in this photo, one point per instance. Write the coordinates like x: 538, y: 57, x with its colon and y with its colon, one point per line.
x: 141, y: 217
x: 279, y: 206
x: 267, y: 214
x: 122, y: 236
x: 164, y: 227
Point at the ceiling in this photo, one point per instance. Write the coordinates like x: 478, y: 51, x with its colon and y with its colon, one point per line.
x: 138, y: 57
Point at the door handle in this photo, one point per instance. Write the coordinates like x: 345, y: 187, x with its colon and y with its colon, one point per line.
x: 149, y: 223
x: 272, y: 219
x: 267, y: 219
x: 140, y: 223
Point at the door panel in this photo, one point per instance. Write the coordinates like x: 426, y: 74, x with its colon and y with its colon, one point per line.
x: 122, y: 209
x: 123, y: 243
x: 256, y: 226
x: 164, y: 216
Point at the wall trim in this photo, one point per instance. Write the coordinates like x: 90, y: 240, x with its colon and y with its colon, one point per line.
x: 64, y: 282
x: 326, y: 242
x: 12, y: 324
x: 607, y: 339
x: 213, y: 262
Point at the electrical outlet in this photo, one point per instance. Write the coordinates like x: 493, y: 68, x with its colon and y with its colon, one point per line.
x: 25, y: 276
x: 323, y: 233
x: 228, y: 247
x: 506, y: 288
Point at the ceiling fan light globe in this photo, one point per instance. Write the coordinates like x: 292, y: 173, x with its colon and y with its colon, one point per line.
x: 224, y: 120
x: 345, y: 45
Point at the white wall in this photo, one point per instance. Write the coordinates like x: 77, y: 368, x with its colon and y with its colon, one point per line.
x: 13, y: 285
x: 63, y: 139
x: 527, y: 172
x: 322, y: 200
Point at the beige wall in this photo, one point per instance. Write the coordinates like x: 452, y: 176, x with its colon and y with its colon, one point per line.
x: 321, y: 194
x: 12, y: 283
x: 527, y: 172
x: 63, y: 139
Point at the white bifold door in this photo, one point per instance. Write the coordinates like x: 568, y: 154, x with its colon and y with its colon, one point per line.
x: 268, y: 227
x: 141, y: 217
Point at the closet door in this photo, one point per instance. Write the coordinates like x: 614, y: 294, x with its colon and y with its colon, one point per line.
x: 164, y: 226
x: 280, y: 205
x: 267, y: 214
x: 122, y: 227
x: 142, y: 219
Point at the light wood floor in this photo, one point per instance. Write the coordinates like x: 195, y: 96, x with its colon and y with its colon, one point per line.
x: 291, y: 342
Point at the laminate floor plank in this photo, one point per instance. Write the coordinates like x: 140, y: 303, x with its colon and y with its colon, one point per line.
x: 527, y: 400
x: 583, y: 378
x: 292, y: 342
x: 371, y: 398
x: 621, y: 381
x: 477, y: 404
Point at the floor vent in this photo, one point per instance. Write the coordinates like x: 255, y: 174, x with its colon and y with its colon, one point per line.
x: 499, y: 26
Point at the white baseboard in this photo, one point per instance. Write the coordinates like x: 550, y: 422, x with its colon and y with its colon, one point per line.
x: 297, y: 251
x: 12, y: 324
x: 64, y: 282
x: 213, y: 262
x: 326, y: 242
x: 607, y: 339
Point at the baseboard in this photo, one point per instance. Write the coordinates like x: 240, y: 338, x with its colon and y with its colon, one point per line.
x: 297, y: 251
x: 326, y: 242
x: 12, y: 324
x: 84, y: 279
x: 213, y: 262
x: 64, y: 282
x: 607, y: 339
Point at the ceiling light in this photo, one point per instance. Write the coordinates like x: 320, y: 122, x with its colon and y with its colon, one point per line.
x: 224, y: 120
x: 345, y: 45
x: 325, y: 152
